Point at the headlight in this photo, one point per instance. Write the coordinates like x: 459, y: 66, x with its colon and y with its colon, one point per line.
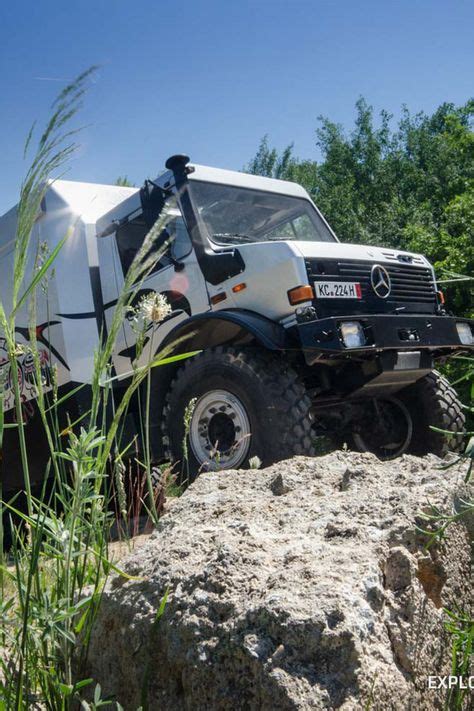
x: 352, y: 334
x: 465, y: 334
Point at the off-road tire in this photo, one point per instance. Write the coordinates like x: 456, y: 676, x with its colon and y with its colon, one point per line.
x: 274, y: 397
x: 433, y: 402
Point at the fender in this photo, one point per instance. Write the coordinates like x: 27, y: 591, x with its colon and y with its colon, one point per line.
x: 215, y: 328
x: 207, y: 330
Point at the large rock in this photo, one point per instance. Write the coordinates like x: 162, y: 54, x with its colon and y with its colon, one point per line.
x: 301, y: 586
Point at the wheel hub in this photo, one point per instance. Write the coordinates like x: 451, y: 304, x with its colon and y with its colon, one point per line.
x: 219, y: 431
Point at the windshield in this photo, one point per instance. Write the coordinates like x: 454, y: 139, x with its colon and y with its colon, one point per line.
x: 234, y: 215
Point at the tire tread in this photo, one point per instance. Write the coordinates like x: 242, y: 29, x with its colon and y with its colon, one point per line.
x: 283, y: 385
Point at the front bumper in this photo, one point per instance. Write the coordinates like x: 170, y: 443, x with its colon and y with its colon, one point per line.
x: 436, y: 334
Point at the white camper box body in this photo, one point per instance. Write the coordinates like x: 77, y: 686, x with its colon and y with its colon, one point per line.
x: 87, y: 279
x: 70, y: 337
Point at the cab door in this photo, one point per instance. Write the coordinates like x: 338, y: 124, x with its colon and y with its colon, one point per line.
x: 176, y: 276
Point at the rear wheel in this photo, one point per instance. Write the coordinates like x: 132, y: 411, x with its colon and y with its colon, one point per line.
x: 433, y: 402
x: 228, y: 405
x: 385, y: 429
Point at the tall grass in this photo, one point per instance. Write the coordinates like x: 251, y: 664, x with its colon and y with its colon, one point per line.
x: 59, y: 561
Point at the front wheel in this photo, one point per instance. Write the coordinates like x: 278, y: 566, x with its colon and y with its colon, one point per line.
x: 227, y: 405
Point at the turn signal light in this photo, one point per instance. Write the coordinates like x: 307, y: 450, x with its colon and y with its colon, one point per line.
x: 441, y: 298
x: 217, y: 298
x: 239, y: 287
x: 300, y: 294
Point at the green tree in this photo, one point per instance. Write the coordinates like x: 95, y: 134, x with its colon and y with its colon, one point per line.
x: 124, y: 182
x: 451, y: 248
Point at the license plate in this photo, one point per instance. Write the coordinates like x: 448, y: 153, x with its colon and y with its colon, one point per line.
x: 337, y: 290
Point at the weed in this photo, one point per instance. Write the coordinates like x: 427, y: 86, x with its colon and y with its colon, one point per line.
x: 59, y: 559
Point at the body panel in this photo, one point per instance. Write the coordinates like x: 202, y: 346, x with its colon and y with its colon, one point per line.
x: 66, y: 322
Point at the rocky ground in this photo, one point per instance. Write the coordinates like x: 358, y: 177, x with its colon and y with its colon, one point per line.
x: 300, y: 586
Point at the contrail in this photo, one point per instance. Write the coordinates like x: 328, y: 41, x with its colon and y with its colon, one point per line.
x: 49, y: 79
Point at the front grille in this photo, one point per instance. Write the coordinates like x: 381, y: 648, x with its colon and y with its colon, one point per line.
x: 412, y: 284
x: 412, y: 287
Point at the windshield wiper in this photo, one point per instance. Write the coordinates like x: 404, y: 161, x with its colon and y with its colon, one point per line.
x: 230, y: 236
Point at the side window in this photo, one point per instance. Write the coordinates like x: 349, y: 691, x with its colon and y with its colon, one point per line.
x: 131, y: 235
x: 181, y: 245
x: 129, y: 240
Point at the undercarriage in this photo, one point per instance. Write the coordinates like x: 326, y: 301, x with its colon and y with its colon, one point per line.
x: 380, y: 425
x: 421, y: 417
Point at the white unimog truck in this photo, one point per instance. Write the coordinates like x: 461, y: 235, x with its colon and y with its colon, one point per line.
x: 300, y: 335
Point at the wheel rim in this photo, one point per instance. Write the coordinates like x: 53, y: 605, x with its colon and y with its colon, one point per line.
x: 389, y: 433
x: 219, y: 431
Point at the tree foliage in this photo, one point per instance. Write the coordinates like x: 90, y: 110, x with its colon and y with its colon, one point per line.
x: 124, y: 182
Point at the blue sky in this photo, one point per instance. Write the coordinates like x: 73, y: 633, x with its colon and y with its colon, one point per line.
x: 210, y: 77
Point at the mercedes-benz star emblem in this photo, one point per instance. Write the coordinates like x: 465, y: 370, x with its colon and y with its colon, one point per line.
x: 380, y: 280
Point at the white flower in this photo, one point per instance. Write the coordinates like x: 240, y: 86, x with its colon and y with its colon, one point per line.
x: 154, y: 307
x: 21, y: 349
